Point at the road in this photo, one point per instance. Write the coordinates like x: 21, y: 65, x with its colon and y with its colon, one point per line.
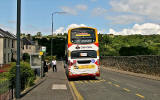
x: 116, y: 86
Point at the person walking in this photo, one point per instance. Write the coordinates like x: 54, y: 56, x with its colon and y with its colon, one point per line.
x: 44, y: 66
x: 54, y: 65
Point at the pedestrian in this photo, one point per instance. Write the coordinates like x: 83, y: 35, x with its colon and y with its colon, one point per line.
x: 54, y: 65
x: 47, y: 66
x: 44, y: 66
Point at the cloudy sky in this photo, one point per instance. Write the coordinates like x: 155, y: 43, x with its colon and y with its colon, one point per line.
x: 122, y: 17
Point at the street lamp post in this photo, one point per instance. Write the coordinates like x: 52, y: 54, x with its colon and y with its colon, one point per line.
x: 52, y: 31
x: 18, y: 82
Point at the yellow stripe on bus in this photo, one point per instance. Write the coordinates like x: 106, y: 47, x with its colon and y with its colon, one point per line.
x: 83, y: 35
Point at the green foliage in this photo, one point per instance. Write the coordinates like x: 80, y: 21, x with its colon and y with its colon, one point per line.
x: 4, y: 82
x: 58, y: 44
x: 3, y: 76
x: 39, y: 34
x: 26, y: 75
x: 142, y: 44
x: 26, y: 57
x: 49, y: 58
x: 134, y: 50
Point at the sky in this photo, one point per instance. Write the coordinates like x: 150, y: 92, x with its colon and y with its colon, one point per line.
x: 119, y: 17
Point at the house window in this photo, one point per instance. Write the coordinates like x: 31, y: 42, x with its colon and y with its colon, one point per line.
x: 4, y: 43
x: 26, y: 46
x: 12, y: 43
x: 8, y: 58
x: 8, y: 43
x: 4, y: 59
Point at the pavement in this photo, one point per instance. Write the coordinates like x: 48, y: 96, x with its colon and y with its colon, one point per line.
x: 54, y: 87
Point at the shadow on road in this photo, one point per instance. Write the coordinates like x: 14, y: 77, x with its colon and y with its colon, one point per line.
x: 83, y: 78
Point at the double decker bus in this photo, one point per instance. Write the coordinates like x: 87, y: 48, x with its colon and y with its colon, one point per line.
x: 82, y: 52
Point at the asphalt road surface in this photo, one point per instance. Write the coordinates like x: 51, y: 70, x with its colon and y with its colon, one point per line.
x: 115, y: 86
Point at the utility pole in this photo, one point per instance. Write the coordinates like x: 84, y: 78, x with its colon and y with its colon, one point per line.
x: 18, y: 81
x: 52, y: 40
x: 52, y: 32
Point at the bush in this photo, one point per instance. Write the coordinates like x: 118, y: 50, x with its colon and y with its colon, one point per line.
x: 26, y: 57
x: 3, y: 76
x: 134, y: 50
x: 4, y: 82
x: 26, y: 75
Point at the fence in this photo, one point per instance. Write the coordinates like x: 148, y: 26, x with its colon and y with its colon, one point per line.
x: 6, y: 89
x: 139, y: 64
x: 4, y: 65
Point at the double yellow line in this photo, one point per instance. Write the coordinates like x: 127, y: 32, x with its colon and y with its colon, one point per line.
x: 78, y: 95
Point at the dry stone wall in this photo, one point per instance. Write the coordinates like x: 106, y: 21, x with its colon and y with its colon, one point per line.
x: 139, y: 64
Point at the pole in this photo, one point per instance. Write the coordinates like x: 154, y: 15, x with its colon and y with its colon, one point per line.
x: 52, y: 32
x: 18, y: 83
x: 52, y: 40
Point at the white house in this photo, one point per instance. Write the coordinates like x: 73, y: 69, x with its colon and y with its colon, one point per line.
x: 8, y: 47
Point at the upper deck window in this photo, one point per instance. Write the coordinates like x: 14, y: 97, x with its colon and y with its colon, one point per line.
x: 83, y: 36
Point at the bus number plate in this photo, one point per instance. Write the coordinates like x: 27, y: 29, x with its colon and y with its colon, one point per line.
x: 83, y: 54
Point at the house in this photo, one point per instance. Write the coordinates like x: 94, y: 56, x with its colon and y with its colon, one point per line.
x: 8, y: 47
x: 30, y: 47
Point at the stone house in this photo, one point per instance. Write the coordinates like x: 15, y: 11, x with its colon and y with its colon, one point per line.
x: 30, y: 47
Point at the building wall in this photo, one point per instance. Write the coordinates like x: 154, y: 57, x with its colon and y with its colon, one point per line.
x: 30, y: 49
x: 14, y: 49
x: 1, y: 50
x: 6, y: 52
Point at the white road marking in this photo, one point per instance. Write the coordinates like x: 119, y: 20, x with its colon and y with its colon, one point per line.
x: 59, y: 87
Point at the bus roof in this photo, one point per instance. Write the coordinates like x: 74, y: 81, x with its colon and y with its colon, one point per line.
x: 81, y: 27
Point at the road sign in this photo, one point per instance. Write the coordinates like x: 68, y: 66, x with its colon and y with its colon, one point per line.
x: 40, y: 53
x: 43, y: 49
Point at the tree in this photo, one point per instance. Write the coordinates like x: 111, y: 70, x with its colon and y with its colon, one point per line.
x: 26, y: 57
x: 134, y: 50
x: 39, y: 34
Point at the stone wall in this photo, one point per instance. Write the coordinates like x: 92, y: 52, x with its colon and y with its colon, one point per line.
x: 139, y: 64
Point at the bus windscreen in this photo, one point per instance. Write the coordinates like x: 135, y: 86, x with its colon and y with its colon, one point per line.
x: 83, y: 36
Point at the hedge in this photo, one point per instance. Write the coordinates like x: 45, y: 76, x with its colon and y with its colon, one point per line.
x: 27, y: 76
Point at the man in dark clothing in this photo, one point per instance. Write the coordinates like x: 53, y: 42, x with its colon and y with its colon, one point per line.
x: 45, y: 67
